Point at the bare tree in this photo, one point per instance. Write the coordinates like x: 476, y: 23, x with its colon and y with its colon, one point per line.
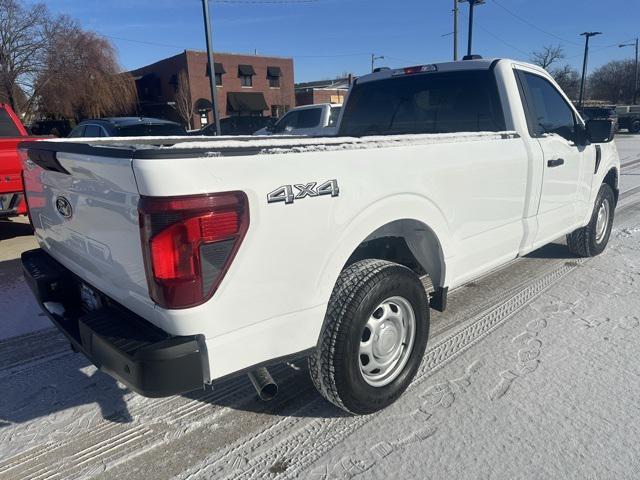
x: 81, y: 77
x: 23, y: 47
x: 547, y: 56
x: 613, y: 82
x: 184, y: 103
x: 569, y: 80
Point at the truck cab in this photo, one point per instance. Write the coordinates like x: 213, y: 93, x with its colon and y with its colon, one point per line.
x: 12, y: 132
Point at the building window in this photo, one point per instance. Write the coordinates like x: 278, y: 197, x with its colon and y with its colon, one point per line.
x: 245, y: 74
x: 273, y: 75
x: 218, y: 72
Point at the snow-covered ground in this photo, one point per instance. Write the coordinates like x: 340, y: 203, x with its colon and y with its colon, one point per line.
x: 531, y: 373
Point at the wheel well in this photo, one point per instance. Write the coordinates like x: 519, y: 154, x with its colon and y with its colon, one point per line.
x: 611, y: 179
x: 408, y: 242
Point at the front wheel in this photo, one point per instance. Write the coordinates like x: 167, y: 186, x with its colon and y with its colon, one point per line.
x: 592, y: 239
x: 634, y: 127
x: 373, y: 338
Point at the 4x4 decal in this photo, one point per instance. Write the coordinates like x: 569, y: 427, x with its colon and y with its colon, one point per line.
x: 287, y: 195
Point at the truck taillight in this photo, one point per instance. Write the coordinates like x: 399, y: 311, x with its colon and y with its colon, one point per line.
x: 188, y: 244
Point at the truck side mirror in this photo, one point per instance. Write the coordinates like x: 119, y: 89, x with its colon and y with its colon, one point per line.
x: 600, y: 131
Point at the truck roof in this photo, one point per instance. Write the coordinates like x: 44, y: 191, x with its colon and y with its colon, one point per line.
x: 472, y: 64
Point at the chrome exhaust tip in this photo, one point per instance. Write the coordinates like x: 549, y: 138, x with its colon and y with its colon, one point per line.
x: 265, y: 386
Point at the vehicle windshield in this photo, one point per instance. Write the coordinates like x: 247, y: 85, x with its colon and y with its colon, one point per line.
x: 466, y: 101
x: 151, y: 129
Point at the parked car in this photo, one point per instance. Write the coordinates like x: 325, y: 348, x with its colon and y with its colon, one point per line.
x: 600, y: 113
x: 236, y: 126
x: 235, y: 262
x: 12, y: 132
x: 629, y: 117
x: 320, y: 119
x: 127, y: 127
x: 57, y: 128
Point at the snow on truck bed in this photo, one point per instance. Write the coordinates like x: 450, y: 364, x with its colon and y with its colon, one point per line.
x: 284, y: 144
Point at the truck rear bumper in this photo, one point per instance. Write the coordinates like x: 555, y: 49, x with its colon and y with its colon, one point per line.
x: 140, y: 355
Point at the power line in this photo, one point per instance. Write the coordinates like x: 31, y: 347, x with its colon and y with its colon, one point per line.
x: 524, y: 20
x: 266, y: 2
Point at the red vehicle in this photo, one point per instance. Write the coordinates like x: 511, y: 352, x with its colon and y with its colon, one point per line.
x: 12, y: 132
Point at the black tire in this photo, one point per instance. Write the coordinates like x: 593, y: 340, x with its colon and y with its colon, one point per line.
x: 634, y: 126
x: 583, y: 242
x: 334, y: 366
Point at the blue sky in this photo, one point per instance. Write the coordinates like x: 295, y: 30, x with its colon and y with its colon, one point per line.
x: 329, y: 37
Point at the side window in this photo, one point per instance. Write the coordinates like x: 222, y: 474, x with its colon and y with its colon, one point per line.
x: 290, y: 120
x: 92, y: 131
x: 309, y: 118
x: 77, y: 132
x: 551, y: 112
x: 333, y: 116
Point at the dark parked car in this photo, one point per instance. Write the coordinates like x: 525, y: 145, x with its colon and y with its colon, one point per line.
x: 57, y: 128
x: 600, y: 113
x: 237, y: 126
x: 127, y: 127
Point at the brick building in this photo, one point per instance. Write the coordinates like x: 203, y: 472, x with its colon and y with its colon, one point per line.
x: 246, y: 85
x: 322, y: 91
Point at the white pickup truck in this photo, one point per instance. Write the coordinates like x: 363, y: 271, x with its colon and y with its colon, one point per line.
x: 173, y: 262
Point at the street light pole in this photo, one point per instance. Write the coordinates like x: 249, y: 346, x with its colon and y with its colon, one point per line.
x: 455, y: 30
x: 374, y: 58
x: 212, y: 67
x: 472, y: 4
x: 587, y: 35
x: 635, y: 70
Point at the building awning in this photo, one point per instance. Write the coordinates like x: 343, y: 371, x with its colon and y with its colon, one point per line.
x: 274, y: 72
x: 217, y: 67
x: 246, y: 70
x: 202, y: 105
x: 246, y: 101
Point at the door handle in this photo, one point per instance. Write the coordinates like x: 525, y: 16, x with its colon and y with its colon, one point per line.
x: 555, y: 163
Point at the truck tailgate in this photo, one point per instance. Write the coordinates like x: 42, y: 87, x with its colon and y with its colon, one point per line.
x: 84, y: 211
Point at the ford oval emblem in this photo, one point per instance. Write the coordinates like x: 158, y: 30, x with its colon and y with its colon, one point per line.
x: 64, y: 207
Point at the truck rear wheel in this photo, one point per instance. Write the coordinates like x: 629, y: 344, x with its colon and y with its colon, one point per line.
x: 634, y: 126
x: 591, y: 240
x: 373, y: 338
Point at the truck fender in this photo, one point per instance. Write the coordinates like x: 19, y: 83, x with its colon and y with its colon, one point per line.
x: 413, y: 216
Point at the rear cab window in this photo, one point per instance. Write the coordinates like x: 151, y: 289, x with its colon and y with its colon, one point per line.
x: 434, y: 102
x: 309, y: 117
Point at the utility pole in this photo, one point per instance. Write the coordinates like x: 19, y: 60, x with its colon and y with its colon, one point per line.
x: 635, y: 70
x: 455, y: 30
x: 472, y: 4
x: 212, y: 65
x: 374, y: 58
x: 587, y: 36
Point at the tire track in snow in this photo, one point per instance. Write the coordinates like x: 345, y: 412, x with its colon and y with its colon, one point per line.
x: 294, y: 454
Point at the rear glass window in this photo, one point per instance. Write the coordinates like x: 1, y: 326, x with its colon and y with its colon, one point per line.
x: 92, y: 131
x: 143, y: 130
x: 424, y: 103
x: 309, y: 118
x: 7, y: 127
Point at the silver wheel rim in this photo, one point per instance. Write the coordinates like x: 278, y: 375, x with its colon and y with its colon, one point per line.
x: 602, y: 221
x: 386, y: 341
